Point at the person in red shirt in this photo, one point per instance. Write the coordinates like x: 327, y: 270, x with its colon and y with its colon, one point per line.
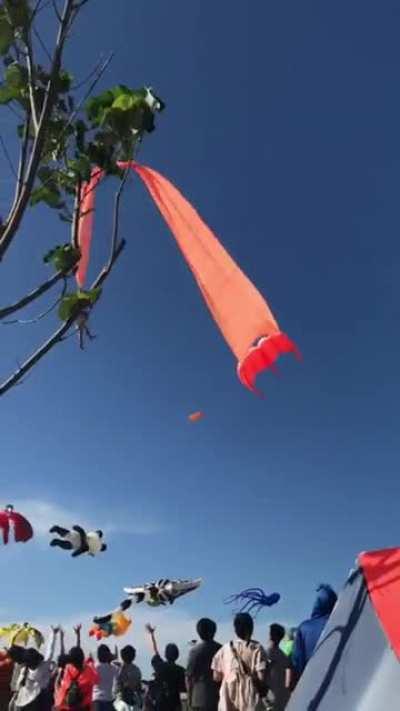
x: 79, y: 679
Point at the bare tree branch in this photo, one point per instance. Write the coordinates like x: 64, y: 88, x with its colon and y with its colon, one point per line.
x: 42, y: 44
x: 107, y: 269
x: 32, y: 296
x: 77, y: 216
x: 8, y: 157
x: 57, y: 336
x: 101, y: 71
x: 23, y: 156
x: 35, y: 357
x: 42, y: 315
x: 55, y: 8
x: 31, y: 82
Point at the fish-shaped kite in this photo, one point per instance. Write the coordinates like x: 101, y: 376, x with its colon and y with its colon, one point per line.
x: 163, y: 592
x: 241, y: 313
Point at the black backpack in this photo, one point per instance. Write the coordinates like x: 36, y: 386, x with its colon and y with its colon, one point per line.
x: 74, y: 696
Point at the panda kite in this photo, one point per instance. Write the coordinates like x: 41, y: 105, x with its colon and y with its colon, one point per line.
x: 78, y: 541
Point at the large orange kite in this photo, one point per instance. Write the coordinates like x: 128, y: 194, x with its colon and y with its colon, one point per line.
x: 241, y: 313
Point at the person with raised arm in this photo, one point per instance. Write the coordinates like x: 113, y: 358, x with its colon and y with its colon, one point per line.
x: 32, y: 687
x: 165, y: 691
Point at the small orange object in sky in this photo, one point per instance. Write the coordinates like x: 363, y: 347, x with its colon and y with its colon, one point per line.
x: 196, y: 416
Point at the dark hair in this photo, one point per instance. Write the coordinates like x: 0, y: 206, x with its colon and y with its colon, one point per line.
x: 276, y: 633
x: 62, y: 661
x: 104, y: 654
x: 76, y: 657
x: 33, y: 658
x: 128, y: 654
x: 171, y: 652
x: 206, y: 629
x: 17, y: 654
x: 244, y: 626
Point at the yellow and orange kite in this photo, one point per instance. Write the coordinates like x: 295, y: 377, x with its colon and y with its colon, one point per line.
x: 242, y: 315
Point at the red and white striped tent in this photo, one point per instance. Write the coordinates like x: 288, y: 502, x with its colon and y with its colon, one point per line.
x: 356, y: 665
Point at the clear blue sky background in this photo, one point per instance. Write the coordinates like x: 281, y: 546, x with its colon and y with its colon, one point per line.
x: 282, y: 126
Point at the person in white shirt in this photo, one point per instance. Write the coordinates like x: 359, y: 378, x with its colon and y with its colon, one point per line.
x: 34, y: 678
x: 104, y: 691
x: 240, y: 668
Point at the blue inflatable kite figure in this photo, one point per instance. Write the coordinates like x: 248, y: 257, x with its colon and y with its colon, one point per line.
x: 253, y: 599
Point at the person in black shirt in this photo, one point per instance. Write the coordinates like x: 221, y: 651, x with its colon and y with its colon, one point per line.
x: 169, y: 678
x: 203, y: 691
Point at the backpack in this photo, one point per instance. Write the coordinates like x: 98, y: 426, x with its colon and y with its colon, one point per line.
x: 74, y: 696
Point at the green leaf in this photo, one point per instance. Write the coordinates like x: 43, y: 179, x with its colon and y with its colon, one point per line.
x: 7, y: 94
x: 81, y: 167
x: 69, y: 307
x: 16, y: 76
x: 64, y: 257
x: 48, y: 194
x: 63, y: 82
x: 72, y: 304
x: 18, y: 11
x: 125, y: 102
x: 6, y: 34
x: 45, y: 173
x: 97, y: 105
x: 80, y: 131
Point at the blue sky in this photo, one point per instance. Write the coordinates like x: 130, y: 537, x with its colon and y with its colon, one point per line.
x: 282, y: 128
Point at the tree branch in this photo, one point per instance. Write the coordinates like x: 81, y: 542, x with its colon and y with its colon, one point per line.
x: 43, y: 314
x: 32, y: 296
x: 116, y: 246
x: 35, y: 357
x: 8, y: 157
x: 58, y: 335
x: 77, y: 216
x: 31, y: 82
x: 23, y: 157
x: 18, y: 209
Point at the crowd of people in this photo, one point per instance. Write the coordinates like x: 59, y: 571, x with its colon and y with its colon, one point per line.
x: 241, y: 675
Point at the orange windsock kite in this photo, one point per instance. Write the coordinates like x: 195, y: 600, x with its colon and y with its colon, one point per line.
x: 241, y: 313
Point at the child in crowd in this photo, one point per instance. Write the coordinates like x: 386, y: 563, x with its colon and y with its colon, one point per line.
x: 105, y: 689
x: 278, y: 671
x: 129, y: 680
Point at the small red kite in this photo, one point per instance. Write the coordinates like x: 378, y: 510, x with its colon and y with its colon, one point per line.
x: 196, y: 416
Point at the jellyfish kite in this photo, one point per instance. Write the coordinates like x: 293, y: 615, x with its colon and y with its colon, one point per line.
x: 240, y: 312
x: 12, y: 521
x: 253, y: 599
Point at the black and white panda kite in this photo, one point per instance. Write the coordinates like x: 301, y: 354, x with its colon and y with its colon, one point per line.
x: 78, y: 541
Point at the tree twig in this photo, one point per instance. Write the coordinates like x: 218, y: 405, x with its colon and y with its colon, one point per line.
x: 42, y: 44
x: 8, y: 157
x: 32, y: 296
x: 42, y: 315
x: 31, y: 81
x: 23, y: 156
x: 57, y: 336
x: 76, y: 216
